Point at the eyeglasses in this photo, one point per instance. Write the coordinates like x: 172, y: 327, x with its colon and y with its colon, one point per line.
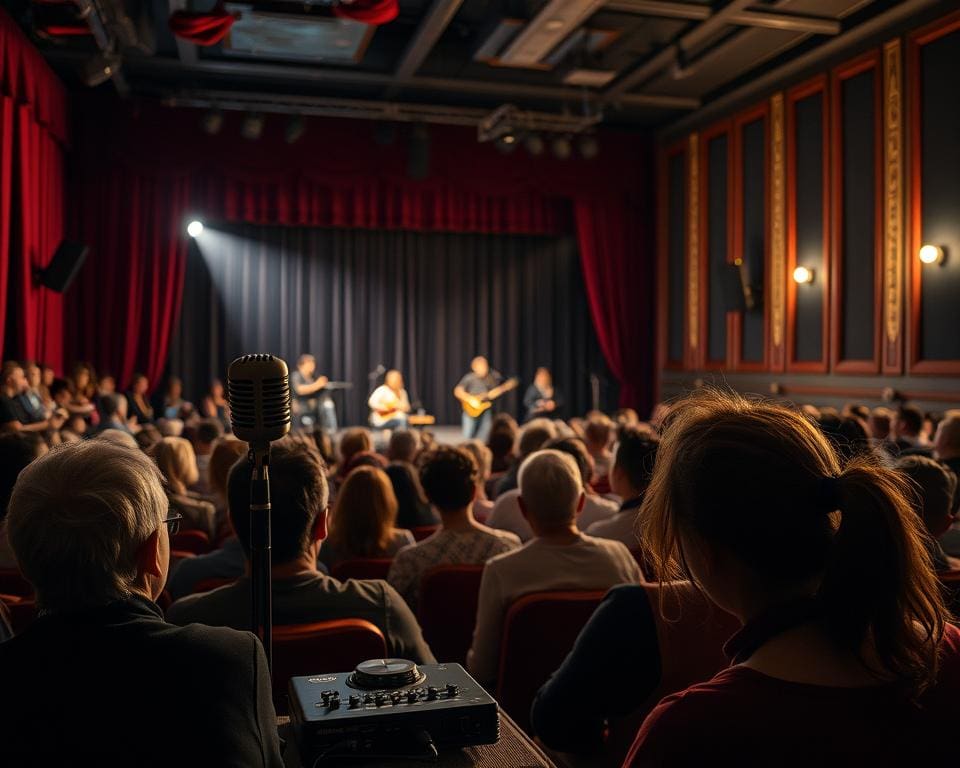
x: 173, y: 523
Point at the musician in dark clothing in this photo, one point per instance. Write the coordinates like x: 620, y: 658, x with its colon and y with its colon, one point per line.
x: 541, y: 399
x: 311, y: 404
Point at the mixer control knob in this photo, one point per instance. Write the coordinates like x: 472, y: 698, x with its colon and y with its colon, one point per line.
x: 334, y: 702
x: 381, y: 699
x: 368, y: 699
x: 432, y: 693
x: 452, y: 690
x: 412, y: 697
x: 354, y: 701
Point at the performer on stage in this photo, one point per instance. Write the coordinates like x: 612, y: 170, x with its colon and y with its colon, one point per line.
x: 311, y: 405
x: 541, y: 399
x: 476, y: 392
x: 389, y: 404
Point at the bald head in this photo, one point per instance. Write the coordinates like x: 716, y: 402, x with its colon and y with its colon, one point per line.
x: 480, y: 366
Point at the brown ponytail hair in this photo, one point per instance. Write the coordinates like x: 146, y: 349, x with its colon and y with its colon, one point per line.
x: 763, y: 481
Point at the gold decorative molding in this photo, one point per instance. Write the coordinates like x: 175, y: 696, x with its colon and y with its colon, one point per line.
x: 892, y: 190
x: 778, y: 221
x: 693, y: 242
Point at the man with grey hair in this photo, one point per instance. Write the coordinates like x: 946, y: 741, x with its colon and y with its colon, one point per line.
x: 559, y: 557
x: 100, y: 678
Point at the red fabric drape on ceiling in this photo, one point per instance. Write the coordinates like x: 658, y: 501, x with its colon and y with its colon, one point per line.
x: 339, y: 176
x: 33, y: 127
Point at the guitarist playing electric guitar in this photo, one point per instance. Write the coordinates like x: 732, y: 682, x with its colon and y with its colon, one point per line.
x: 476, y: 392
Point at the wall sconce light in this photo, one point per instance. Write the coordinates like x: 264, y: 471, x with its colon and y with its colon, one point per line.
x: 803, y: 275
x: 931, y: 254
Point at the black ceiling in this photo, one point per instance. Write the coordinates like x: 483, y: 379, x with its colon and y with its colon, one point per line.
x: 650, y: 62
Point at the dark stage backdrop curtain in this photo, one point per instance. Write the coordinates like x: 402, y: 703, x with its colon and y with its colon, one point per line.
x: 422, y: 302
x: 33, y: 128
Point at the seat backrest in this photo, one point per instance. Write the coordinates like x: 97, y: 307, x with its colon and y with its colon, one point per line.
x: 950, y: 586
x: 12, y: 582
x: 365, y: 568
x: 322, y: 647
x: 206, y: 585
x: 191, y: 541
x: 421, y: 532
x: 538, y: 632
x: 448, y: 609
x: 690, y: 639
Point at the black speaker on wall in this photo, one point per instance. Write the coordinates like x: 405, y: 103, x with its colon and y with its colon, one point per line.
x: 64, y: 265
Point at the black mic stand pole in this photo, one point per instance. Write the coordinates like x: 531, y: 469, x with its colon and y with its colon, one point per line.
x: 260, y: 559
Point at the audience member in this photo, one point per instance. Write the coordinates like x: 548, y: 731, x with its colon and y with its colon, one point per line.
x: 119, y: 438
x: 83, y: 386
x: 178, y: 464
x: 13, y: 418
x: 907, y: 432
x: 413, y: 509
x: 174, y: 406
x: 532, y: 438
x: 630, y: 475
x: 113, y: 413
x: 352, y: 441
x: 934, y: 489
x: 31, y: 400
x: 147, y: 437
x: 598, y: 434
x: 502, y: 442
x: 17, y: 451
x: 946, y: 443
x: 214, y: 404
x: 301, y: 594
x: 483, y: 456
x: 89, y: 525
x: 845, y: 649
x: 207, y: 433
x: 228, y: 560
x: 74, y: 429
x: 449, y: 477
x: 138, y: 406
x: 404, y: 445
x: 363, y: 521
x: 558, y: 557
x: 507, y: 515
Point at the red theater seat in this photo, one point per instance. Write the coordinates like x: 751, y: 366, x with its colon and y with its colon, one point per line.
x: 538, y: 633
x: 321, y: 648
x: 421, y: 532
x: 205, y: 585
x: 691, y: 640
x: 448, y: 609
x: 191, y: 541
x: 366, y: 568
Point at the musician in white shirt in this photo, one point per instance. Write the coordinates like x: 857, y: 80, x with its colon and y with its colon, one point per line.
x: 389, y: 404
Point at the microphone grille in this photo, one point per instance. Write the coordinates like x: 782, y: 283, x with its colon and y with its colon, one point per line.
x: 258, y: 389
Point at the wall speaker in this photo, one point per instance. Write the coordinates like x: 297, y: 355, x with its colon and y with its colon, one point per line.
x: 64, y: 265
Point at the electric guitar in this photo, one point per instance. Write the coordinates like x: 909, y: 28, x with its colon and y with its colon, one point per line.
x: 477, y: 405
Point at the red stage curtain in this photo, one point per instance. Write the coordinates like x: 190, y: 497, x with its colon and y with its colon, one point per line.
x: 126, y: 301
x: 618, y: 278
x: 33, y: 126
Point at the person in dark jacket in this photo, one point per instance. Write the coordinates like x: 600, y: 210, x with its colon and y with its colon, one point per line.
x: 100, y: 678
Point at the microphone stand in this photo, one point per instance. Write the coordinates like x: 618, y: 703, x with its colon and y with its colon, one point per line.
x: 260, y: 559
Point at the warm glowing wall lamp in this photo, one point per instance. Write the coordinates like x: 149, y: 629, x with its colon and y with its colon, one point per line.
x: 931, y: 254
x: 803, y: 275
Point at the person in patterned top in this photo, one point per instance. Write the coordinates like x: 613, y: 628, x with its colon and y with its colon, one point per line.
x: 449, y: 478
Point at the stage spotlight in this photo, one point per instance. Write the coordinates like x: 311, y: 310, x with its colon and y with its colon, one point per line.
x: 561, y: 147
x: 212, y: 121
x: 535, y: 144
x: 295, y: 129
x: 195, y: 228
x: 589, y: 147
x: 252, y: 126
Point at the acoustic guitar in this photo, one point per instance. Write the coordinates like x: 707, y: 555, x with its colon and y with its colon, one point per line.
x: 479, y: 404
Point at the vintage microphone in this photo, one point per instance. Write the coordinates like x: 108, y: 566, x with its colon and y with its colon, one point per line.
x: 258, y: 390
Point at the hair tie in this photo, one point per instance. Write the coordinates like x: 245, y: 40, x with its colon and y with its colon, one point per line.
x: 828, y: 493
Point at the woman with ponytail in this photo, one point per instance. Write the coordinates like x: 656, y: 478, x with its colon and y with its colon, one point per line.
x: 845, y: 655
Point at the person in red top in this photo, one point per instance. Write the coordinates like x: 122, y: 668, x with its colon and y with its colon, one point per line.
x: 846, y: 656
